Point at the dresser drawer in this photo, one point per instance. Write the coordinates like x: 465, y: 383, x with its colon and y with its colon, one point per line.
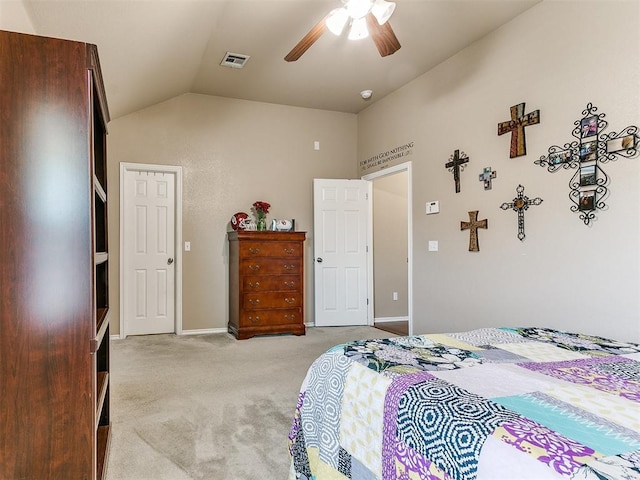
x: 271, y: 283
x: 270, y: 317
x: 270, y: 266
x: 270, y: 249
x: 252, y: 301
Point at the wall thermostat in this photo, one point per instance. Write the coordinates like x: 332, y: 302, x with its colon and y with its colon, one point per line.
x: 433, y: 207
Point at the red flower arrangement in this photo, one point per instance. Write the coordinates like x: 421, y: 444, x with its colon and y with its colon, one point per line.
x: 261, y: 209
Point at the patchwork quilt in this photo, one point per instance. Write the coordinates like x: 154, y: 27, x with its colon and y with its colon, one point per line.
x: 488, y: 404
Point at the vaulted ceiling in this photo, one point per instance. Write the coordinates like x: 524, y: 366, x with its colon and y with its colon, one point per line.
x: 153, y: 50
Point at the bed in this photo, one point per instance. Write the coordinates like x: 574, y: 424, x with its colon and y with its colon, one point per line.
x: 488, y: 404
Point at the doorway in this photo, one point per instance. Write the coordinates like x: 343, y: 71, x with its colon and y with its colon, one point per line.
x: 150, y: 253
x: 391, y: 262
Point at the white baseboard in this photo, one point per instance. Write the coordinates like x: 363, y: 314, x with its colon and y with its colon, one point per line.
x: 198, y: 331
x: 206, y: 331
x: 390, y: 319
x: 203, y: 331
x: 380, y: 319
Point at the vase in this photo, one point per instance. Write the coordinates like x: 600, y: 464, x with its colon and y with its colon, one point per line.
x: 261, y: 225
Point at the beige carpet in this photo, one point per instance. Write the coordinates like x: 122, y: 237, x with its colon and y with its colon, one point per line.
x: 209, y: 406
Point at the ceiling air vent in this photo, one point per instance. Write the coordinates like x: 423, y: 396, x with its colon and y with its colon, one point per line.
x: 234, y: 60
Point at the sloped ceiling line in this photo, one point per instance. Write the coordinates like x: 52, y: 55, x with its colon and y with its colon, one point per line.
x: 153, y: 50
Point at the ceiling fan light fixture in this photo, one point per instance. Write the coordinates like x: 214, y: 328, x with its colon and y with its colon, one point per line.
x: 358, y: 29
x: 358, y: 8
x: 336, y: 20
x: 383, y: 10
x: 361, y: 19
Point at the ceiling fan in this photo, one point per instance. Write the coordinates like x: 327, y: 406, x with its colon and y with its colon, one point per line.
x: 365, y: 17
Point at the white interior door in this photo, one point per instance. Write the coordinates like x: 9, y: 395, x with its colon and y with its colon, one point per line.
x: 148, y: 274
x: 340, y: 224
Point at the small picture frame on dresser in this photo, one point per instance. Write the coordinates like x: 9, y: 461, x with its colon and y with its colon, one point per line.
x: 283, y: 225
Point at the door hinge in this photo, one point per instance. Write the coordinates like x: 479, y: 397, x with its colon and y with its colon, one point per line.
x: 367, y: 301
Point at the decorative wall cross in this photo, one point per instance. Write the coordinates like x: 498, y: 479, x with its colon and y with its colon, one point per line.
x: 473, y: 225
x: 456, y: 165
x: 516, y: 126
x: 519, y: 205
x: 486, y: 176
x: 592, y: 147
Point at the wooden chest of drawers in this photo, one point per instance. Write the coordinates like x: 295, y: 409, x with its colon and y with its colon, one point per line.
x: 266, y: 288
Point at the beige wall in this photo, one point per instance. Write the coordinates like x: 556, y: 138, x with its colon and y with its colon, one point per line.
x: 13, y: 17
x: 233, y: 153
x: 390, y: 246
x: 556, y: 57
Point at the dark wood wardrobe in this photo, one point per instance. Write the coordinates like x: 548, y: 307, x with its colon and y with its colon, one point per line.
x: 54, y: 327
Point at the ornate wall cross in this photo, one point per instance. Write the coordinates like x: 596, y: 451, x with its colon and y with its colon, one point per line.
x: 592, y: 147
x: 456, y: 165
x: 516, y: 126
x: 473, y: 225
x: 486, y: 176
x: 519, y: 205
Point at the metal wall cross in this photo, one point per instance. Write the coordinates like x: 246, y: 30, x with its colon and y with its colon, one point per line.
x: 520, y: 204
x: 486, y: 176
x: 516, y: 126
x: 473, y: 225
x: 592, y: 147
x: 456, y: 165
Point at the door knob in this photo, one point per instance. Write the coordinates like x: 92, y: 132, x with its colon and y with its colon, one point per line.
x: 170, y: 261
x: 319, y: 259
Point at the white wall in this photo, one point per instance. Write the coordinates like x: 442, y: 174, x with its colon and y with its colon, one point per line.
x: 556, y: 57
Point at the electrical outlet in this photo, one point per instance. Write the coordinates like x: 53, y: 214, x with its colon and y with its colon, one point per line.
x: 433, y: 245
x: 187, y: 246
x: 395, y: 295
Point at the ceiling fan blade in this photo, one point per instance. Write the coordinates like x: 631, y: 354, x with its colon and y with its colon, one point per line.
x: 383, y: 36
x: 306, y: 42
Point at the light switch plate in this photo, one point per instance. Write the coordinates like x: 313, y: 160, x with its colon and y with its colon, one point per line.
x: 433, y: 245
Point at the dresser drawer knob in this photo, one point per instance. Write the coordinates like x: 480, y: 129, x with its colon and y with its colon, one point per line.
x: 289, y: 284
x: 254, y: 267
x: 289, y: 251
x: 290, y: 301
x: 289, y: 317
x: 254, y: 301
x: 255, y: 319
x: 254, y: 251
x: 254, y: 284
x: 289, y: 267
